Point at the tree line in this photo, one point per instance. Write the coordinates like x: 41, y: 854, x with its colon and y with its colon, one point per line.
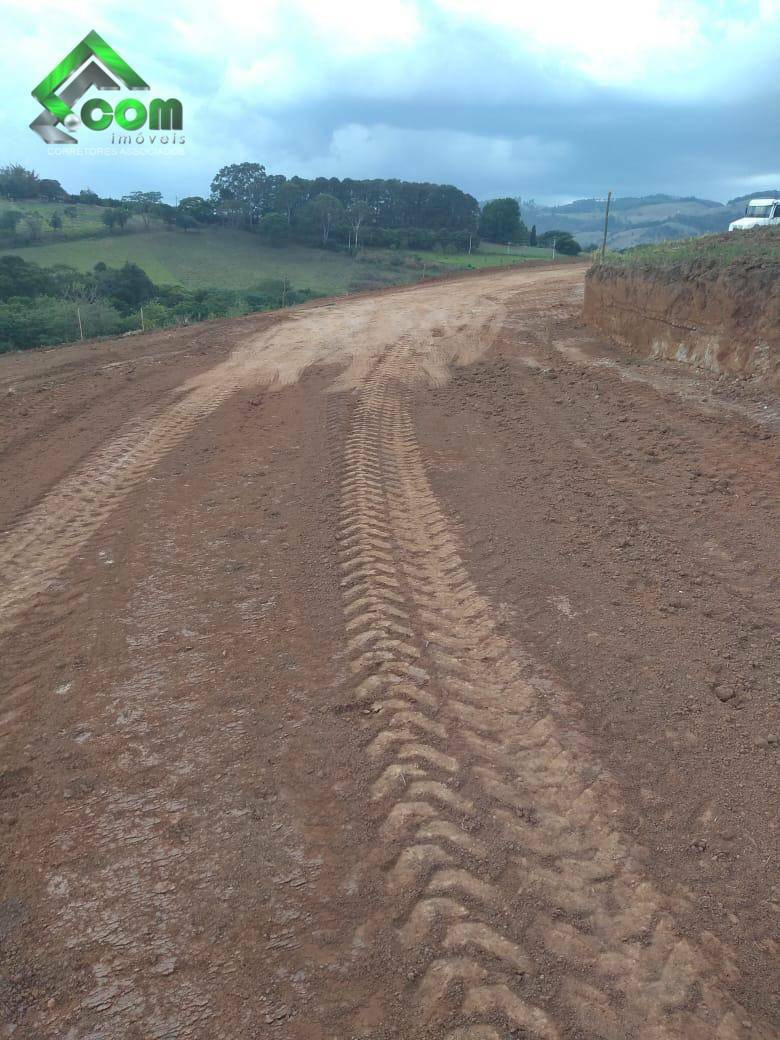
x: 379, y: 212
x: 501, y: 221
x: 328, y: 211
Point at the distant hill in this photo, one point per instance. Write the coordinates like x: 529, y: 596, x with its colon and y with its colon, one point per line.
x: 742, y: 200
x: 638, y: 221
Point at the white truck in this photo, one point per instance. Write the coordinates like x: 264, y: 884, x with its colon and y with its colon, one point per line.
x: 759, y: 213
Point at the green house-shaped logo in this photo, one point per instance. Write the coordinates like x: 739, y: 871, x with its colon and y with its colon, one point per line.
x: 72, y: 78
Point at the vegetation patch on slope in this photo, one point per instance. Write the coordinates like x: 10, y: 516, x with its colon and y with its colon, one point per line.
x: 758, y: 244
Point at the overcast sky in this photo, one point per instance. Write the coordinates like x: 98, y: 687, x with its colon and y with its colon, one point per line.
x: 550, y: 100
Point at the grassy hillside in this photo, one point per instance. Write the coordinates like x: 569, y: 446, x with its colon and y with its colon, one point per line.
x: 225, y: 259
x: 760, y: 245
x: 87, y: 222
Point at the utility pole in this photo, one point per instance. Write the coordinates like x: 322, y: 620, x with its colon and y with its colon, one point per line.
x: 606, y: 225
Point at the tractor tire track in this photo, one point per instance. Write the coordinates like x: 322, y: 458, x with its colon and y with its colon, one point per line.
x: 519, y: 903
x: 42, y: 545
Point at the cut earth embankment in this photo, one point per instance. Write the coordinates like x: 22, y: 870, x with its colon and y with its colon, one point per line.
x: 724, y: 317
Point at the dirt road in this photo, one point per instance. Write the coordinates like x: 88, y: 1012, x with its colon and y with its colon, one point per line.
x: 403, y: 666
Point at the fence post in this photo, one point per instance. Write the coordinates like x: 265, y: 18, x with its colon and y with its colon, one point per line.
x: 606, y: 226
x: 81, y: 327
x: 142, y: 319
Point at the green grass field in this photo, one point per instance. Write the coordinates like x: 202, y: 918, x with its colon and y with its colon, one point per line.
x: 521, y: 252
x: 491, y: 255
x: 220, y: 258
x: 217, y: 259
x: 758, y: 244
x: 87, y: 222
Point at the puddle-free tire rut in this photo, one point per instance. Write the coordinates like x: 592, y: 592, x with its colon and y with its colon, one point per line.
x: 382, y: 676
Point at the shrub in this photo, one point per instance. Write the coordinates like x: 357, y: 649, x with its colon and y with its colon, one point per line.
x: 274, y: 228
x: 157, y: 315
x: 128, y: 287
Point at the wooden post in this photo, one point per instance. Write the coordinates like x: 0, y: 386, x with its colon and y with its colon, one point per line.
x: 606, y: 225
x: 142, y: 320
x: 81, y: 327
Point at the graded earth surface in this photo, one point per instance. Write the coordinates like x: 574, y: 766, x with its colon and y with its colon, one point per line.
x: 398, y: 666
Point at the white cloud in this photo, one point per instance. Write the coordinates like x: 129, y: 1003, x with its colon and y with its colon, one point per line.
x: 294, y: 49
x: 355, y: 26
x: 498, y: 96
x: 658, y: 47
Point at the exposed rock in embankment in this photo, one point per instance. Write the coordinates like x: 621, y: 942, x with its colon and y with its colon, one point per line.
x: 724, y: 318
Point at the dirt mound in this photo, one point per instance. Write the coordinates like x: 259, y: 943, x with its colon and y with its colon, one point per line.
x: 723, y: 318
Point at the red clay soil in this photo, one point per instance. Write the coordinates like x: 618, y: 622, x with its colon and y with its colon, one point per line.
x: 403, y: 667
x: 723, y: 319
